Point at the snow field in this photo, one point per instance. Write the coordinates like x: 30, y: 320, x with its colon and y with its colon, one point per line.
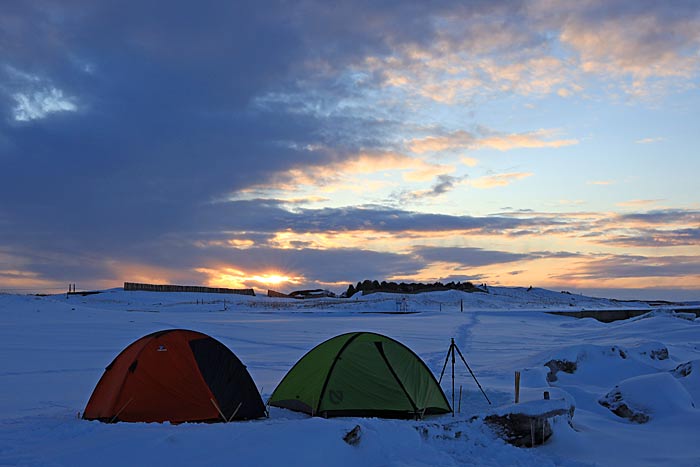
x: 54, y: 350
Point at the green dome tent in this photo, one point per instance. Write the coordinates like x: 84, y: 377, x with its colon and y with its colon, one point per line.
x: 361, y: 374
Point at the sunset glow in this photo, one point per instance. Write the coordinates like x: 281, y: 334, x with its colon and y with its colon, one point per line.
x: 551, y: 144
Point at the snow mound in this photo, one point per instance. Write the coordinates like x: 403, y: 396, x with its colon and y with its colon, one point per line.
x: 666, y: 313
x: 688, y: 374
x: 604, y: 365
x: 642, y: 398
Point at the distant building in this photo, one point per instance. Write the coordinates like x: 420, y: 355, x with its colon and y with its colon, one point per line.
x: 315, y: 293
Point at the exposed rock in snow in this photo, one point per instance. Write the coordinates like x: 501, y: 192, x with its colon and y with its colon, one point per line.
x: 688, y: 374
x: 353, y: 436
x: 559, y: 365
x: 653, y: 350
x: 683, y: 370
x: 642, y: 398
x: 614, y: 401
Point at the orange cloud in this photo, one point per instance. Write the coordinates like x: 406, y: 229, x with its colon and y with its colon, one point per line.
x: 341, y: 176
x: 638, y: 202
x: 469, y: 161
x: 493, y: 181
x: 649, y: 140
x: 502, y: 142
x: 601, y: 182
x: 642, y: 47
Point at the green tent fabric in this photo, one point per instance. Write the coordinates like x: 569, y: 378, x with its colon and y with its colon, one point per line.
x: 361, y: 374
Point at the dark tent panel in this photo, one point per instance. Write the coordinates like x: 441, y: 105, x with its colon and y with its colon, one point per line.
x: 361, y: 374
x: 175, y: 376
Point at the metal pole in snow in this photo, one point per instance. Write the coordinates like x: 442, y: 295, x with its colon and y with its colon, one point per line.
x: 459, y: 409
x: 452, y: 347
x: 472, y: 373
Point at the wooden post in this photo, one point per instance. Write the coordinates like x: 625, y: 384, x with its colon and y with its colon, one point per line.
x: 461, y: 304
x: 517, y: 387
x: 546, y: 395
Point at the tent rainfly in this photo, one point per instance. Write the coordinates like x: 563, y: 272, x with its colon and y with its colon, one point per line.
x: 175, y: 376
x: 361, y: 374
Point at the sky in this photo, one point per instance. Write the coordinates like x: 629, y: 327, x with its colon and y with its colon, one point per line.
x: 306, y: 144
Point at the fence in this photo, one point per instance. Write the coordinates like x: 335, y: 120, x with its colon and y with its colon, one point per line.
x: 132, y: 286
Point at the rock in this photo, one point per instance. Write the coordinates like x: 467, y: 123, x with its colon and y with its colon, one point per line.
x: 683, y: 370
x: 559, y: 365
x: 655, y: 351
x: 353, y: 436
x: 654, y: 396
x: 614, y: 401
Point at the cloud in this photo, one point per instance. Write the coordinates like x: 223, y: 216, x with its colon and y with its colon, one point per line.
x: 469, y: 161
x: 640, y: 40
x: 635, y: 266
x: 547, y: 48
x: 655, y: 238
x: 467, y: 257
x: 443, y: 184
x: 40, y: 104
x: 490, y: 140
x: 663, y: 216
x: 498, y: 180
x: 343, y: 174
x: 123, y: 141
x: 649, y: 140
x: 601, y: 182
x: 638, y: 202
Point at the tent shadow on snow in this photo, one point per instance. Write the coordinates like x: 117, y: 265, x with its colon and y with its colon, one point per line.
x: 175, y: 376
x: 361, y: 374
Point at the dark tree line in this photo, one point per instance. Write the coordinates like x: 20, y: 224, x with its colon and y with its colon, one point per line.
x: 367, y: 286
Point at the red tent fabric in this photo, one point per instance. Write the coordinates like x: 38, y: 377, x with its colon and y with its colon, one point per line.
x: 176, y: 376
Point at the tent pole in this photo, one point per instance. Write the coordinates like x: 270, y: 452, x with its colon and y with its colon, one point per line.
x: 216, y: 406
x: 120, y: 410
x: 235, y: 411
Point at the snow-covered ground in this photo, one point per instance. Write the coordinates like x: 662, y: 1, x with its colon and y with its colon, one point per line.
x: 54, y: 349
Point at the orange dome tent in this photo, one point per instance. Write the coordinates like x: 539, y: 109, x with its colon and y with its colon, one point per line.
x: 175, y: 376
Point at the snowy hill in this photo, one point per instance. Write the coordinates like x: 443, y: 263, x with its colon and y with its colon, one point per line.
x: 54, y: 350
x: 497, y: 298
